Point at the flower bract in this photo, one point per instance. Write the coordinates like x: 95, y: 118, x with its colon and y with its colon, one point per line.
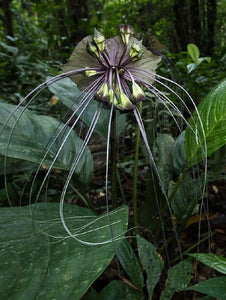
x: 116, y: 68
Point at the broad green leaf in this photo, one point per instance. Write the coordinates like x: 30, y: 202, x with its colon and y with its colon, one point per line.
x: 10, y: 49
x: 15, y: 165
x: 31, y: 137
x: 151, y: 262
x: 193, y: 51
x: 67, y: 92
x: 215, y: 287
x: 130, y: 264
x: 164, y: 143
x: 178, y: 278
x: 212, y: 260
x: 40, y: 261
x: 212, y: 112
x: 201, y: 59
x: 191, y: 67
x: 91, y: 295
x: 118, y: 290
x: 186, y: 198
x: 178, y: 154
x: 216, y: 163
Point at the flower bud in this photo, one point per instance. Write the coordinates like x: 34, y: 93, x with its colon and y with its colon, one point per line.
x: 90, y: 72
x: 103, y: 94
x: 99, y: 40
x: 126, y: 31
x: 54, y: 99
x: 137, y: 93
x: 136, y: 50
x: 124, y: 102
x: 92, y: 49
x: 112, y: 97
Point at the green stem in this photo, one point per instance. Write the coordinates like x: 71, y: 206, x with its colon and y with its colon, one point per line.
x: 135, y: 171
x: 113, y: 142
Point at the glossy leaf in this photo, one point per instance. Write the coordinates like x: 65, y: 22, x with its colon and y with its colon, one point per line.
x: 187, y: 197
x: 212, y: 111
x: 31, y: 137
x: 178, y: 154
x: 178, y: 278
x: 67, y: 92
x: 151, y: 262
x: 13, y: 50
x: 193, y: 51
x: 15, y: 165
x: 191, y: 67
x: 215, y: 287
x: 39, y: 260
x: 201, y: 59
x: 130, y: 264
x: 211, y: 260
x: 164, y: 143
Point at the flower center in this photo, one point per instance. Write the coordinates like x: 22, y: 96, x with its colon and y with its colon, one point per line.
x: 118, y: 87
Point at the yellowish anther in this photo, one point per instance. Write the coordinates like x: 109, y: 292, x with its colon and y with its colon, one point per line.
x: 92, y: 49
x: 90, y: 73
x: 136, y: 50
x: 112, y: 97
x: 126, y: 31
x: 99, y: 40
x: 137, y: 92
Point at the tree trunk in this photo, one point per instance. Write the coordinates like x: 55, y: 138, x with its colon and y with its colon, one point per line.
x: 7, y: 17
x: 194, y: 23
x: 187, y: 22
x: 77, y: 10
x: 211, y: 20
x: 61, y: 17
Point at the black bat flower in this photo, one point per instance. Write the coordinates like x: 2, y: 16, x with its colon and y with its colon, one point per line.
x: 119, y: 73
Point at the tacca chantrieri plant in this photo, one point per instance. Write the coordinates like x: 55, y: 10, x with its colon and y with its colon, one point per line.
x: 117, y: 72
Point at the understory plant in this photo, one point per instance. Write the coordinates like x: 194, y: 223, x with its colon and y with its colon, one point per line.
x: 51, y: 249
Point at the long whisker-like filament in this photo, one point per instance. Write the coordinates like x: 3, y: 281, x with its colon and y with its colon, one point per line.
x: 74, y: 165
x: 153, y: 165
x: 204, y: 146
x: 91, y: 88
x: 85, y: 101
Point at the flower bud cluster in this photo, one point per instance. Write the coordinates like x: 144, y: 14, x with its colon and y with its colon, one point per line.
x: 97, y: 44
x: 132, y: 51
x: 119, y: 65
x: 136, y: 50
x: 126, y: 31
x: 120, y: 100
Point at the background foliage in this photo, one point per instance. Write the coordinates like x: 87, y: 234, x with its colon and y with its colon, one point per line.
x: 36, y: 38
x: 39, y: 35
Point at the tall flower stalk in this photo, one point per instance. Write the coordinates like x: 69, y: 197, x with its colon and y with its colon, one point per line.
x: 119, y: 73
